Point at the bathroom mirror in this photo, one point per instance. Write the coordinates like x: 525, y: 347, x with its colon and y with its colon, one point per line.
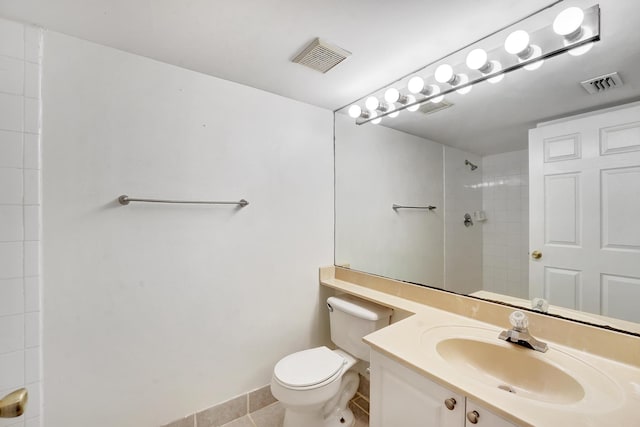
x: 457, y: 172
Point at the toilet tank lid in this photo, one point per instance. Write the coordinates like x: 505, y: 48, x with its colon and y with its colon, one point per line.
x: 358, y: 307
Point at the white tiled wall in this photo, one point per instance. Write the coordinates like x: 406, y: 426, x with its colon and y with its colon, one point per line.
x: 20, y: 351
x: 506, y: 233
x: 463, y: 245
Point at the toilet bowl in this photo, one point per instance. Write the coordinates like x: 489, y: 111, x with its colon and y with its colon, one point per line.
x: 315, y: 386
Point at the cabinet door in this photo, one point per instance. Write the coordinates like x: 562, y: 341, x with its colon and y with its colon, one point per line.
x: 483, y: 417
x: 402, y: 397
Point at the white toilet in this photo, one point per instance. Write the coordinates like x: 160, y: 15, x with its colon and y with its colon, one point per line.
x: 315, y: 385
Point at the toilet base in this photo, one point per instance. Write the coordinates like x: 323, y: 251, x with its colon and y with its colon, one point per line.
x: 333, y: 413
x: 340, y: 418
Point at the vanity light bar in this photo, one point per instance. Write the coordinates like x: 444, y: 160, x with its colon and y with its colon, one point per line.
x: 574, y: 31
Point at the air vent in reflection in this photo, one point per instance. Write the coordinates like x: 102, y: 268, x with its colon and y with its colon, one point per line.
x: 430, y: 107
x: 602, y: 83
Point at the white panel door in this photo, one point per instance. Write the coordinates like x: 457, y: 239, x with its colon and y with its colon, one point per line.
x: 584, y: 199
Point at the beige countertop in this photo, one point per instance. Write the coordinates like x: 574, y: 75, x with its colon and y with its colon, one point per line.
x: 561, y: 311
x: 611, y: 387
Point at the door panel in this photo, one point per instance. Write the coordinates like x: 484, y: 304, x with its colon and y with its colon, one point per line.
x: 620, y: 296
x: 584, y: 199
x: 562, y: 209
x: 620, y: 139
x: 563, y: 287
x: 561, y: 148
x: 620, y: 225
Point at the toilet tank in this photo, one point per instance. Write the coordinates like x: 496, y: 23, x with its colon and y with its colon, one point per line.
x: 351, y: 319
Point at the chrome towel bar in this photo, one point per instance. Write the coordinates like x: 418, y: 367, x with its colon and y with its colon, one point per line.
x: 125, y: 200
x: 396, y: 207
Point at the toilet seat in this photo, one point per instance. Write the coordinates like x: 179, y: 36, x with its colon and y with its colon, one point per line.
x: 309, y: 369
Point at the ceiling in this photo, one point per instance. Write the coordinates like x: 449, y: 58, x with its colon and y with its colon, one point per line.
x: 253, y: 41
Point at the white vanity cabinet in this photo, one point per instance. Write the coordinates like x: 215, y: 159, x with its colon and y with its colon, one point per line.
x: 402, y: 397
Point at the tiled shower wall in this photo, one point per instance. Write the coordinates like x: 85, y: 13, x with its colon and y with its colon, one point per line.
x: 506, y: 231
x: 20, y: 351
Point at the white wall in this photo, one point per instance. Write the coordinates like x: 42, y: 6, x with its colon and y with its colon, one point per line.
x: 463, y: 245
x: 156, y: 311
x: 506, y: 231
x: 20, y: 349
x: 377, y: 167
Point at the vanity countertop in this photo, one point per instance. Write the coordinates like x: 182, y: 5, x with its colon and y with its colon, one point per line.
x: 405, y: 342
x: 611, y: 387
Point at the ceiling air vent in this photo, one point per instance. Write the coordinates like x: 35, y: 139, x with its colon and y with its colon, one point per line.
x: 321, y: 56
x: 430, y: 107
x: 602, y: 83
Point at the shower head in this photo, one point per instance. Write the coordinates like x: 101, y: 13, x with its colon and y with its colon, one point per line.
x: 471, y: 165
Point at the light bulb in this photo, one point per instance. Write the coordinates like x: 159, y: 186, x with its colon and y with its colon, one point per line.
x: 372, y: 103
x: 581, y: 50
x: 444, y: 73
x: 435, y: 89
x: 415, y: 85
x: 355, y: 111
x: 535, y: 52
x: 496, y: 66
x: 462, y: 79
x: 517, y: 42
x: 395, y: 112
x: 376, y: 120
x: 477, y: 59
x: 568, y: 22
x: 410, y: 100
x: 392, y: 95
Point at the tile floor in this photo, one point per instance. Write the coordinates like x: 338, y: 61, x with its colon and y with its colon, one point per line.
x: 259, y: 408
x: 273, y: 416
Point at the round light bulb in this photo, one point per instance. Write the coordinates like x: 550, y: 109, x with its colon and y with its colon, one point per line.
x: 535, y: 52
x: 372, y: 103
x: 392, y: 95
x: 517, y: 42
x: 477, y: 59
x: 463, y: 79
x: 496, y: 66
x: 434, y: 90
x: 568, y: 21
x: 581, y: 50
x: 410, y: 100
x: 355, y: 111
x: 444, y: 73
x: 415, y: 85
x: 395, y: 112
x: 377, y: 119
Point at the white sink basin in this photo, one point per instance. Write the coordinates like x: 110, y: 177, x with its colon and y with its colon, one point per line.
x: 513, y: 369
x: 477, y: 355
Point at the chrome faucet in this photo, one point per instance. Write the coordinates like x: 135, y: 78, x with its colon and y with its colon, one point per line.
x: 519, y: 333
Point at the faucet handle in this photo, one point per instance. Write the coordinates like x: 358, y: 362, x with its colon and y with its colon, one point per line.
x: 540, y: 304
x: 519, y: 320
